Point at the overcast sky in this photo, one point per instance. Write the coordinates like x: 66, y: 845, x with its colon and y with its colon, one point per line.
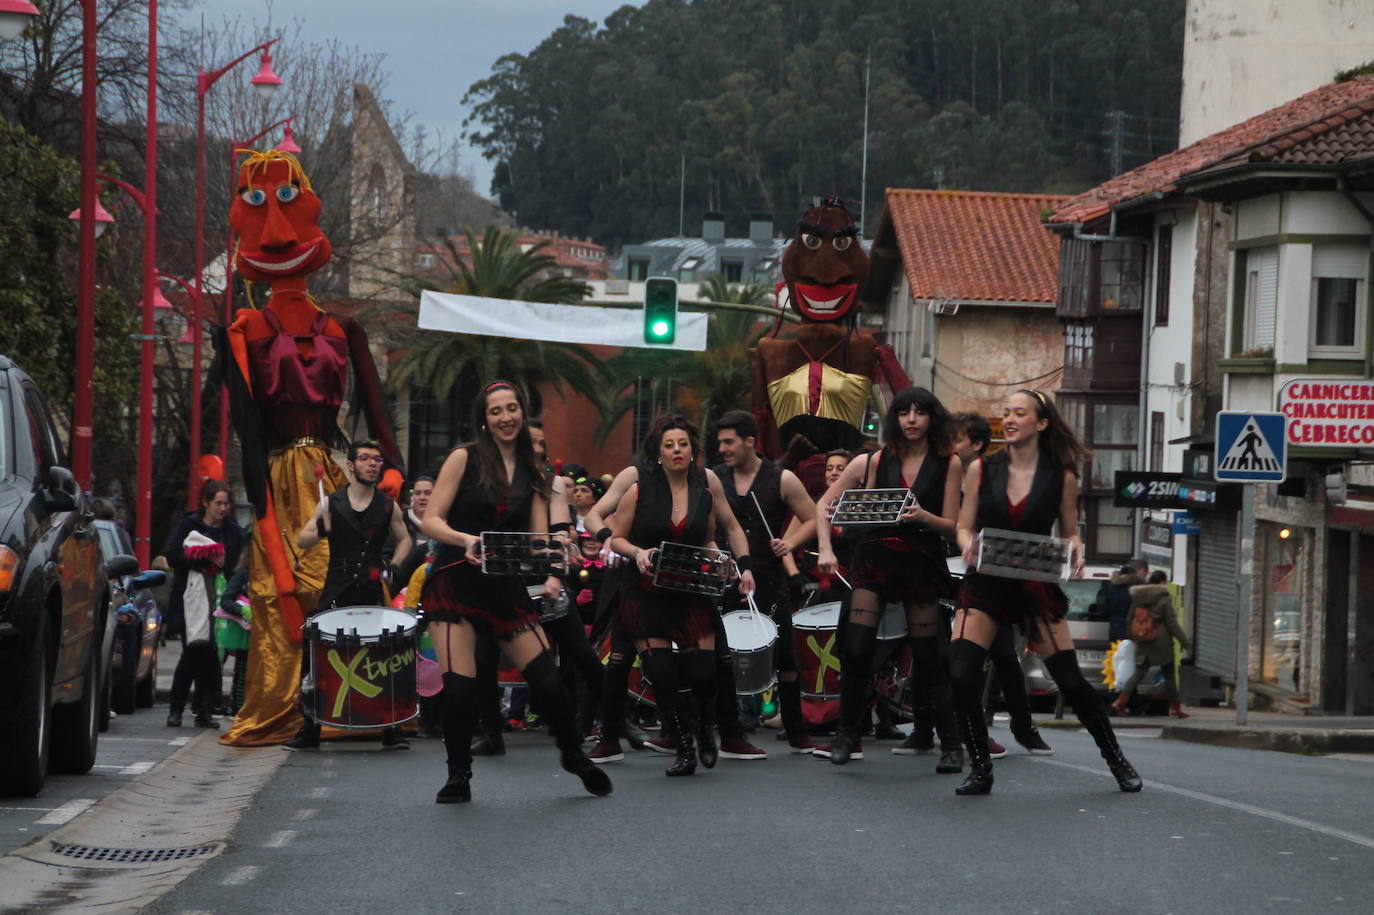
x: 428, y: 44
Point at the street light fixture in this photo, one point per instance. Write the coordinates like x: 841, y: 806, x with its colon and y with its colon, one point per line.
x: 103, y: 219
x: 267, y: 82
x: 15, y: 16
x: 288, y: 141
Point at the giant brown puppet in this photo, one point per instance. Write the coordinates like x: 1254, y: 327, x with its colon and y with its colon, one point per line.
x: 286, y: 367
x: 818, y: 384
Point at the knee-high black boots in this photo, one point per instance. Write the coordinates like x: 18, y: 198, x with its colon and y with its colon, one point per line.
x: 661, y: 668
x: 856, y: 676
x: 966, y: 679
x: 547, y: 687
x: 1063, y: 667
x: 929, y: 670
x: 458, y: 698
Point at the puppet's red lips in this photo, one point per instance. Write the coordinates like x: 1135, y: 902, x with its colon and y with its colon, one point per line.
x: 826, y: 300
x: 283, y: 262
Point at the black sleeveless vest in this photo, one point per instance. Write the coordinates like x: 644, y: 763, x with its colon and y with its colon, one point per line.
x: 654, y: 509
x: 357, y: 545
x: 929, y: 485
x: 767, y: 486
x: 476, y: 508
x: 1042, y: 505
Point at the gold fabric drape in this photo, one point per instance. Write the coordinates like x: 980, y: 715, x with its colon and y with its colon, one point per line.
x: 269, y: 714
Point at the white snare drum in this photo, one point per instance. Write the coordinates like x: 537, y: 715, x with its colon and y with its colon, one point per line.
x: 893, y: 624
x: 362, y: 667
x: 752, y: 638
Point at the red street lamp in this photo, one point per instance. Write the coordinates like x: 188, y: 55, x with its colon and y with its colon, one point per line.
x: 103, y: 219
x: 266, y: 82
x: 15, y: 16
x: 288, y: 141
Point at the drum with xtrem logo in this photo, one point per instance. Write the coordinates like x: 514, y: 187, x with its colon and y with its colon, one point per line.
x: 816, y: 630
x: 362, y: 661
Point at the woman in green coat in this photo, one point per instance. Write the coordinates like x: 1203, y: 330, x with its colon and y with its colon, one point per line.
x: 1156, y: 599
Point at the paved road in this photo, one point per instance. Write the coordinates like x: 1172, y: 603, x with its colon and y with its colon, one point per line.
x: 133, y: 745
x: 1216, y: 829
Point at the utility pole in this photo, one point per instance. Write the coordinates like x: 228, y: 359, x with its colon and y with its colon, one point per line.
x: 863, y: 176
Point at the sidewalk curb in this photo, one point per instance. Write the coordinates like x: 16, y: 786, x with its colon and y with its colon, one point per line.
x: 144, y: 838
x: 1307, y: 741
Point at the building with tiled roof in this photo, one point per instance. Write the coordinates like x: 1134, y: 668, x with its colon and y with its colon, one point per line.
x: 1234, y: 274
x: 966, y: 283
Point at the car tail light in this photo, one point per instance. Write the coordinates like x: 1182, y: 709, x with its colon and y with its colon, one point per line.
x: 9, y: 566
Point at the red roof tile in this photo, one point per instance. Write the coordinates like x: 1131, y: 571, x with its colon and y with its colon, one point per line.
x: 976, y: 246
x: 1282, y: 124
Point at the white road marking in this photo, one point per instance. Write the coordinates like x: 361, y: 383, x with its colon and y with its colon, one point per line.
x: 280, y: 839
x: 29, y: 809
x: 106, y: 737
x: 1251, y: 809
x: 305, y: 813
x: 178, y: 741
x: 137, y: 768
x: 66, y: 813
x: 321, y: 792
x: 240, y: 875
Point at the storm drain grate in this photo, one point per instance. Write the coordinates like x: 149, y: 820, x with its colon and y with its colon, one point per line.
x: 131, y: 855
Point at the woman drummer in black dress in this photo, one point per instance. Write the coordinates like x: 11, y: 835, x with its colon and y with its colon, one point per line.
x: 675, y: 500
x: 496, y: 483
x: 902, y: 562
x: 1027, y: 486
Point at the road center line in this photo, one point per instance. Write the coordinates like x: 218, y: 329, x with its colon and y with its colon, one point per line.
x: 137, y: 768
x: 66, y: 813
x: 1251, y: 809
x: 280, y: 839
x: 305, y: 813
x: 321, y: 792
x: 240, y: 875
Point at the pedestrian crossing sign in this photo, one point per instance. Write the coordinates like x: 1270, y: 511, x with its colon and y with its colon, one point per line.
x: 1251, y: 447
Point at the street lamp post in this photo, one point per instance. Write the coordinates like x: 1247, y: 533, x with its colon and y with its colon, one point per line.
x: 266, y: 82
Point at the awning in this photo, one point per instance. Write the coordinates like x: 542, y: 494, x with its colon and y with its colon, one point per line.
x: 586, y: 324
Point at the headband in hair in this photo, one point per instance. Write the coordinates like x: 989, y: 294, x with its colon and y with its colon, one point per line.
x: 1044, y: 404
x: 497, y: 384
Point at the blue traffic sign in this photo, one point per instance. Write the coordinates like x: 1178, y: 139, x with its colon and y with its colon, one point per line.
x: 1251, y: 447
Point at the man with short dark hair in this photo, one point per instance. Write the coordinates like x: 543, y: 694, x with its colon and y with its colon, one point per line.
x: 762, y: 495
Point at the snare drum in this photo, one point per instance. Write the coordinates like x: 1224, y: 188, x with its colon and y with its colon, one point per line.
x: 362, y: 660
x: 752, y: 638
x: 549, y: 610
x: 893, y: 624
x: 815, y: 630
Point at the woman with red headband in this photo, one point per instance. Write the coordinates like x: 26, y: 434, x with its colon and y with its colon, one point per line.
x: 496, y: 483
x: 1028, y: 486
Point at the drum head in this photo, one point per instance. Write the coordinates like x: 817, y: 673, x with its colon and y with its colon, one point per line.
x: 743, y: 633
x: 820, y: 616
x: 368, y: 621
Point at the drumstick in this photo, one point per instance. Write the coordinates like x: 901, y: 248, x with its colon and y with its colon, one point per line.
x: 319, y: 480
x: 768, y: 530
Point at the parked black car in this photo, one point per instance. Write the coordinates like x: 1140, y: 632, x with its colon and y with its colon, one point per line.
x: 52, y: 599
x: 135, y: 624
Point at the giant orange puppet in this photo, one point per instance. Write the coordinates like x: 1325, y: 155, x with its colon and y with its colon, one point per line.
x: 286, y: 367
x: 817, y: 384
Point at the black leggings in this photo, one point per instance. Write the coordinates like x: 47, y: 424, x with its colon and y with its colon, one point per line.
x: 576, y: 656
x: 199, y: 663
x: 1006, y: 672
x: 615, y: 684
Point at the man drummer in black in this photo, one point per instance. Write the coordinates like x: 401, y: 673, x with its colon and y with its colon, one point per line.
x: 753, y: 485
x: 356, y: 521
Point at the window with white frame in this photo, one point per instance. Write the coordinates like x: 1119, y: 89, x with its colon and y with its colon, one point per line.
x: 1339, y: 310
x: 1260, y: 299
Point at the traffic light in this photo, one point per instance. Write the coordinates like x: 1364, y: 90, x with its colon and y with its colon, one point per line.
x: 871, y: 419
x: 660, y: 310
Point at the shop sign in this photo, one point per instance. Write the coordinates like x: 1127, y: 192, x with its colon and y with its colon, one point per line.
x: 1187, y: 524
x: 1322, y: 413
x: 1146, y: 490
x: 1159, y: 533
x: 1206, y: 494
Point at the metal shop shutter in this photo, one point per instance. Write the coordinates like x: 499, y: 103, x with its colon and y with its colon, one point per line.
x: 1216, y: 595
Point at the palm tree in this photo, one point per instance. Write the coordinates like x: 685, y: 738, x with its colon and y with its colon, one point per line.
x: 500, y: 269
x: 701, y: 385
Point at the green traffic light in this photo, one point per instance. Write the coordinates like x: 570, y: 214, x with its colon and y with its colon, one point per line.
x: 659, y: 329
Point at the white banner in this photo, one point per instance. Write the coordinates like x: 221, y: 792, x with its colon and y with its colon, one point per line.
x: 470, y: 314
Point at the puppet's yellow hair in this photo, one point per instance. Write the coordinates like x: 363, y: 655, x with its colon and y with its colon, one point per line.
x: 258, y: 162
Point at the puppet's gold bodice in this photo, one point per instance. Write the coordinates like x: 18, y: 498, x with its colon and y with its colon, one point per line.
x: 842, y: 395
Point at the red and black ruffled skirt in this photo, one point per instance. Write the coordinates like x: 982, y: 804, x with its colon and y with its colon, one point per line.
x: 903, y: 567
x: 494, y: 604
x: 1014, y: 601
x: 656, y: 613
